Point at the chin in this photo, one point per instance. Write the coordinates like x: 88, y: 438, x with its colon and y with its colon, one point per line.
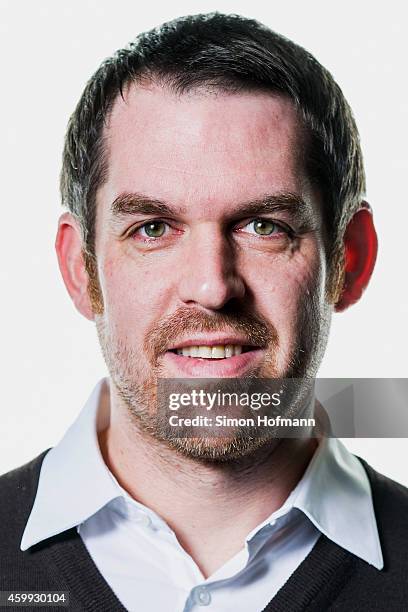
x: 219, y: 450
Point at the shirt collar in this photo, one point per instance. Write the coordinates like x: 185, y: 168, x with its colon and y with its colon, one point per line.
x: 74, y: 465
x: 334, y: 492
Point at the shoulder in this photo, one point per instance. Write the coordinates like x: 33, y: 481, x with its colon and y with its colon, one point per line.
x: 18, y: 489
x: 19, y: 480
x: 390, y: 501
x: 388, y: 494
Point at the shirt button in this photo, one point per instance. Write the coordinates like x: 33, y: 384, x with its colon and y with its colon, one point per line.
x: 202, y: 596
x: 143, y: 519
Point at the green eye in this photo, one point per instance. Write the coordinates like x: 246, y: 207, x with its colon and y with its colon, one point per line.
x: 263, y: 227
x: 155, y: 229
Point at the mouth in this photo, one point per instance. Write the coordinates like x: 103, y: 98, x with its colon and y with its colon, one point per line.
x: 217, y: 351
x: 205, y: 358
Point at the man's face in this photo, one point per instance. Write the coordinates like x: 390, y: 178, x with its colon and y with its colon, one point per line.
x: 208, y: 234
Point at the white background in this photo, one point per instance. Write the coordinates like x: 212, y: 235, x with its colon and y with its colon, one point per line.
x: 49, y: 355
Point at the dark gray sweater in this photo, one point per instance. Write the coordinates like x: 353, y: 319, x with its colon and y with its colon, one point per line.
x: 330, y: 578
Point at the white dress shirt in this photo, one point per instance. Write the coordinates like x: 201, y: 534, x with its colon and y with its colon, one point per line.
x: 138, y: 554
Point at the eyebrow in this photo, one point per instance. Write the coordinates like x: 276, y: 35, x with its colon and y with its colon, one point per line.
x: 129, y: 204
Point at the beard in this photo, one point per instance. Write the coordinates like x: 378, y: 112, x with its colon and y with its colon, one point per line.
x: 136, y: 380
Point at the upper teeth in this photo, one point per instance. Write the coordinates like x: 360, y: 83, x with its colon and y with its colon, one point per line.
x: 220, y: 351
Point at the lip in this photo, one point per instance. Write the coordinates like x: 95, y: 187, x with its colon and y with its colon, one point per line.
x: 180, y: 366
x: 208, y: 340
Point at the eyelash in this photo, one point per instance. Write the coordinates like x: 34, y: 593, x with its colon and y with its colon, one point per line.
x: 283, y: 227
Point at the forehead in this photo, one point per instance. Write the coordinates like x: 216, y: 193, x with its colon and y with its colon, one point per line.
x: 203, y: 150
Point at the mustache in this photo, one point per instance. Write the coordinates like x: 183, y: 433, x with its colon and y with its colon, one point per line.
x: 184, y: 320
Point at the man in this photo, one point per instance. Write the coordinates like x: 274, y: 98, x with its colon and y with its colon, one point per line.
x: 214, y: 181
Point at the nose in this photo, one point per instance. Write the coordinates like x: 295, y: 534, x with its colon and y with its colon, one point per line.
x: 208, y: 272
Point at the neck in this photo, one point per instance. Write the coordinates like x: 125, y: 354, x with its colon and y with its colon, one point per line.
x: 211, y: 506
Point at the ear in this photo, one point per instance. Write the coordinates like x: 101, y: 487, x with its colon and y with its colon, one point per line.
x: 68, y: 245
x: 360, y: 246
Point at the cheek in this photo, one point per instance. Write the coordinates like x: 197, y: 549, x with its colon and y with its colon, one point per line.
x: 283, y: 284
x: 132, y: 299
